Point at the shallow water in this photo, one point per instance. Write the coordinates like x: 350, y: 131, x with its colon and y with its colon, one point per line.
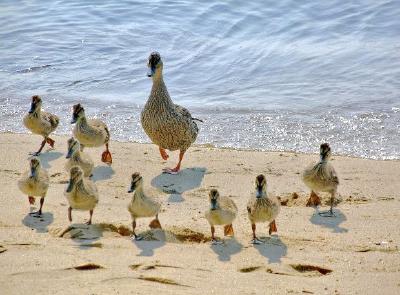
x: 283, y: 76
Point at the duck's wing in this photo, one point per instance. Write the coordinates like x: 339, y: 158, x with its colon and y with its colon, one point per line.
x: 332, y: 174
x: 52, y: 119
x: 100, y: 126
x: 185, y: 113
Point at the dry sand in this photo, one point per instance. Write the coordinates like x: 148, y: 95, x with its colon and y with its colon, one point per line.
x: 354, y: 253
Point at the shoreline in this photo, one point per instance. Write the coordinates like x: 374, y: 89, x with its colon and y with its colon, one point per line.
x: 310, y: 254
x: 209, y: 145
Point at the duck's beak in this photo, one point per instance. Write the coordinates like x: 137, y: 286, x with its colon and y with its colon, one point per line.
x: 33, y: 172
x: 151, y: 71
x: 69, y: 154
x: 259, y: 192
x: 132, y: 189
x: 33, y: 107
x: 74, y: 118
x: 213, y: 204
x: 70, y: 186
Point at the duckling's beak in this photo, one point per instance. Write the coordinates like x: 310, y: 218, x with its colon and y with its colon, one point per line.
x: 132, y: 189
x: 151, y: 72
x: 213, y: 204
x: 69, y: 154
x: 74, y: 118
x: 259, y: 191
x: 33, y: 107
x: 70, y: 186
x: 33, y: 172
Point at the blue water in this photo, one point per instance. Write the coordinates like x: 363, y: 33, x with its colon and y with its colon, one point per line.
x: 284, y: 75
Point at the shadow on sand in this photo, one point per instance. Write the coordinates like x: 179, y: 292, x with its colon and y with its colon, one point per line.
x: 147, y: 247
x: 176, y: 185
x: 102, y: 173
x: 330, y: 222
x: 39, y: 223
x: 273, y: 248
x: 227, y: 249
x: 47, y: 157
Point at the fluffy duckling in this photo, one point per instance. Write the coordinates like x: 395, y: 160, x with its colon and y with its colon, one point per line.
x: 90, y: 132
x: 142, y: 205
x: 222, y: 212
x: 41, y: 123
x: 168, y: 125
x: 35, y: 183
x: 321, y: 177
x: 81, y: 193
x: 262, y: 208
x: 77, y: 158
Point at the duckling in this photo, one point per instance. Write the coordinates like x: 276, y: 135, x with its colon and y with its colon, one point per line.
x: 262, y: 208
x: 222, y: 212
x: 142, y: 205
x: 40, y: 122
x: 77, y: 158
x: 35, y: 183
x: 81, y: 193
x: 168, y: 125
x: 321, y: 177
x: 91, y: 132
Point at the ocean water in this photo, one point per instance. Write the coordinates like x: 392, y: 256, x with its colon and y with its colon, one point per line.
x: 270, y: 75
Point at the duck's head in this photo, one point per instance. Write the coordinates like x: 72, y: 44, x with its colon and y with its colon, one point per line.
x: 36, y: 104
x: 213, y: 196
x: 73, y: 146
x: 35, y: 166
x: 325, y: 152
x: 155, y: 65
x: 261, y: 186
x: 75, y: 174
x: 77, y: 113
x: 136, y: 181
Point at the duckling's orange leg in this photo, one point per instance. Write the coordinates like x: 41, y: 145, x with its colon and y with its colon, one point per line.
x: 41, y: 148
x: 314, y: 200
x: 272, y: 227
x: 106, y: 156
x: 228, y: 230
x: 178, y: 167
x: 38, y: 213
x: 89, y: 222
x: 155, y: 223
x: 50, y: 141
x: 31, y: 200
x: 255, y: 240
x: 163, y: 154
x: 212, y: 233
x: 133, y: 231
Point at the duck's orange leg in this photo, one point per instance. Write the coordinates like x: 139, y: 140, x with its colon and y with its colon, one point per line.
x: 50, y: 142
x: 31, y: 200
x: 178, y: 167
x: 228, y: 230
x: 272, y: 227
x: 314, y: 200
x: 163, y: 154
x: 106, y: 156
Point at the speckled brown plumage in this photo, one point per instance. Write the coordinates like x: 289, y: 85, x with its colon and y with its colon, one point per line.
x: 168, y: 125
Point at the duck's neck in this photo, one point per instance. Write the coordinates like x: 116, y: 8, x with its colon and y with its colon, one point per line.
x: 159, y: 93
x: 36, y: 113
x: 139, y: 192
x: 82, y: 121
x: 323, y: 160
x: 77, y: 155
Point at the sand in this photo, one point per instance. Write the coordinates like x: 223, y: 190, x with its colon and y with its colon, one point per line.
x: 355, y: 253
